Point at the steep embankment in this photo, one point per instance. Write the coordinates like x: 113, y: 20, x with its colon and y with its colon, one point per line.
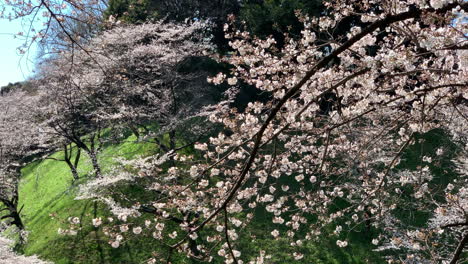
x: 48, y: 193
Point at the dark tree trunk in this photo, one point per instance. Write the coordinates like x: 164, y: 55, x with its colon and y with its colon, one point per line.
x: 93, y: 151
x: 458, y: 252
x: 134, y: 130
x: 68, y: 159
x: 172, y: 139
x: 94, y: 161
x: 11, y: 205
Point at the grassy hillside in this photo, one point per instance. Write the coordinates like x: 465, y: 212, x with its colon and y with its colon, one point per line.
x: 47, y: 192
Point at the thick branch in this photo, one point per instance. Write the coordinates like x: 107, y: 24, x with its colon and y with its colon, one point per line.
x: 459, y: 250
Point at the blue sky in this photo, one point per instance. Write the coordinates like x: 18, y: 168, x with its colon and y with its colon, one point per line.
x: 13, y: 66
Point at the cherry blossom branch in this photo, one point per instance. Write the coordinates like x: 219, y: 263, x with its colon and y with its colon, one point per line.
x: 72, y: 39
x: 455, y: 224
x: 226, y: 235
x: 315, y: 100
x: 414, y: 13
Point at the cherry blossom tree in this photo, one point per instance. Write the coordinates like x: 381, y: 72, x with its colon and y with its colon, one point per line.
x: 142, y: 79
x: 20, y: 139
x: 150, y: 76
x: 136, y: 82
x: 67, y: 111
x: 400, y: 74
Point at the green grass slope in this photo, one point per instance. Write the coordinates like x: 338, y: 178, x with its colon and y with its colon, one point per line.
x: 47, y: 192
